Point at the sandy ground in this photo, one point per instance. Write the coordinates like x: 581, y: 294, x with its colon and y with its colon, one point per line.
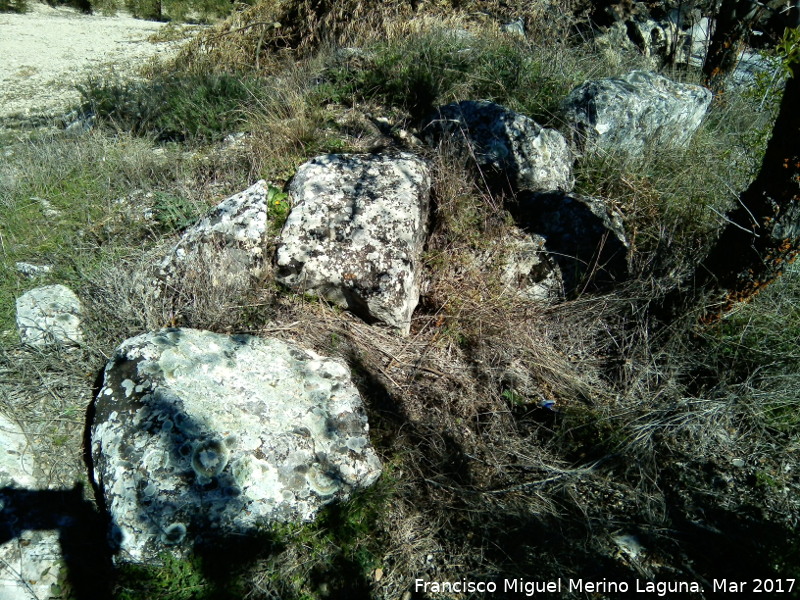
x: 45, y: 51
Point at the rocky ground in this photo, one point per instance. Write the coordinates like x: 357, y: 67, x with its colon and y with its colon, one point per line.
x: 46, y: 51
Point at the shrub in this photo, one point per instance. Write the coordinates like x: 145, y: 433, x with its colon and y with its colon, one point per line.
x: 171, y: 108
x: 17, y: 6
x: 419, y: 72
x: 178, y: 10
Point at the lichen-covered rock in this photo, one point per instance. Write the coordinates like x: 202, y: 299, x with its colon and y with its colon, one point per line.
x: 49, y: 316
x: 509, y: 147
x: 584, y: 237
x: 356, y: 232
x: 200, y: 436
x: 228, y: 241
x: 640, y: 110
x: 32, y: 271
x: 29, y: 560
x: 529, y: 270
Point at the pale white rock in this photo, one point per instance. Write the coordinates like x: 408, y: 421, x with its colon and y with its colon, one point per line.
x: 228, y: 241
x: 507, y: 146
x: 199, y: 436
x: 49, y: 316
x: 31, y: 270
x: 30, y: 560
x: 356, y: 232
x: 529, y: 271
x: 16, y: 459
x: 635, y: 112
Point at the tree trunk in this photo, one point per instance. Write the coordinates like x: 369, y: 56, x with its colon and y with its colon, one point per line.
x: 734, y: 21
x: 763, y: 234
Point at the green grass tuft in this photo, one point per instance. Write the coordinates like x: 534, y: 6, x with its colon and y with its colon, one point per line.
x: 196, y: 107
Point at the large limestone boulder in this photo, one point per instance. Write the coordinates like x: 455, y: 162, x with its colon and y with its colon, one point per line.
x: 49, y: 316
x: 199, y: 436
x: 356, y: 232
x: 228, y: 242
x: 583, y: 235
x: 635, y: 112
x: 509, y: 147
x: 29, y: 559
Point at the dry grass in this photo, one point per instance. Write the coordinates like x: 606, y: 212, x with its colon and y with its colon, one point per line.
x: 519, y: 438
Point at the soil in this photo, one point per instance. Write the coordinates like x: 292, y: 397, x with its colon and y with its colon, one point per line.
x: 46, y: 51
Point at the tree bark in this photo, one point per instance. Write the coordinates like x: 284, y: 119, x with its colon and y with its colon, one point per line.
x: 763, y: 234
x: 734, y: 20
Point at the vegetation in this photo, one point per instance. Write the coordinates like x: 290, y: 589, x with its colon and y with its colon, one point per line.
x: 172, y: 108
x: 13, y: 6
x: 581, y: 439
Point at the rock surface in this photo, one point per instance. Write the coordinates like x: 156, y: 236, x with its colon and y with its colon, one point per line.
x: 530, y: 271
x: 227, y: 243
x: 513, y: 148
x: 356, y: 232
x: 583, y: 236
x: 199, y: 436
x: 49, y: 316
x: 641, y: 110
x: 29, y: 560
x: 32, y: 271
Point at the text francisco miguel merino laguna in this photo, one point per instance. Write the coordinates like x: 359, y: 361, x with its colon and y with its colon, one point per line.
x: 555, y: 586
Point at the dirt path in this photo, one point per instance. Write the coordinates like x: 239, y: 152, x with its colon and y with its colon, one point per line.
x: 45, y: 51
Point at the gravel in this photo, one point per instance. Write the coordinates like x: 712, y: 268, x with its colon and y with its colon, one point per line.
x: 47, y: 50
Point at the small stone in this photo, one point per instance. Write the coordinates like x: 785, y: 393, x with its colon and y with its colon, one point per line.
x: 49, y: 316
x: 738, y: 462
x: 30, y: 561
x: 31, y: 270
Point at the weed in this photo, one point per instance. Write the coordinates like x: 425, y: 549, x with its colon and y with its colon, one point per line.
x: 173, y: 213
x: 277, y: 208
x: 18, y: 6
x: 60, y: 199
x: 175, y: 579
x: 419, y: 72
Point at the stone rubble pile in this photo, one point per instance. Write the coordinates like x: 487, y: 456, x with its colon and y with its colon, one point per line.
x: 197, y: 434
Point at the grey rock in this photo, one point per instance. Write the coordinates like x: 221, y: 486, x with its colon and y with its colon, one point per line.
x: 356, y: 232
x: 526, y: 268
x: 78, y: 122
x: 584, y: 237
x: 641, y: 110
x: 515, y: 27
x: 679, y: 38
x: 228, y: 241
x: 49, y: 316
x: 47, y: 207
x: 29, y: 561
x: 32, y: 271
x: 200, y: 436
x: 531, y: 271
x: 699, y: 38
x: 618, y: 48
x: 511, y: 148
x: 751, y: 66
